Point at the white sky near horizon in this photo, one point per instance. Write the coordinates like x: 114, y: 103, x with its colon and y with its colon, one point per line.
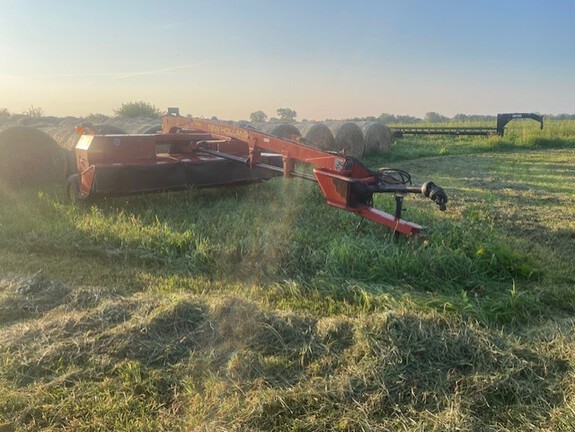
x: 324, y: 59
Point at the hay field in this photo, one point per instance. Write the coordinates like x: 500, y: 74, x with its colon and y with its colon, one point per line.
x: 260, y: 308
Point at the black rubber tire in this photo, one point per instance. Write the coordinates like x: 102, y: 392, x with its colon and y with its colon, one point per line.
x: 73, y: 189
x: 70, y: 162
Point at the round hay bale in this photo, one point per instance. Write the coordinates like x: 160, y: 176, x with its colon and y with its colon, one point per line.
x: 246, y: 125
x: 320, y: 136
x: 66, y: 137
x: 267, y: 127
x: 377, y: 138
x: 303, y: 127
x: 108, y: 129
x: 349, y: 138
x: 333, y: 125
x: 71, y: 122
x: 260, y: 127
x: 285, y: 130
x: 30, y: 157
x: 25, y: 120
x: 153, y: 129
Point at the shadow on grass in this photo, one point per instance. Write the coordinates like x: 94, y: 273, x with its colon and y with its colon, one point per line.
x: 371, y: 369
x: 29, y: 297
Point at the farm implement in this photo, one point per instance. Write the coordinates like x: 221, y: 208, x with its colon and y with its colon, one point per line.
x: 502, y: 120
x: 202, y: 153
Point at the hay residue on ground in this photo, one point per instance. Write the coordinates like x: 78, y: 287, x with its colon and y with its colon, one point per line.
x: 235, y: 364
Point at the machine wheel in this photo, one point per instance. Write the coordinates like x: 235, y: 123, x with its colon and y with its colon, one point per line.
x: 73, y: 189
x: 70, y: 162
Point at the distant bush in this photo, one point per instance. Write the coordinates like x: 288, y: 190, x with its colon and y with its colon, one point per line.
x: 4, y: 113
x: 137, y: 109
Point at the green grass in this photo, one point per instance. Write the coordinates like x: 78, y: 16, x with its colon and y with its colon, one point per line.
x: 261, y: 308
x: 524, y: 134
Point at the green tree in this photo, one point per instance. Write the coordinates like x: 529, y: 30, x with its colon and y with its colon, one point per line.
x: 433, y: 117
x: 407, y: 119
x: 386, y: 118
x: 258, y: 117
x: 286, y: 114
x: 97, y: 117
x: 34, y: 112
x: 137, y: 109
x: 460, y: 118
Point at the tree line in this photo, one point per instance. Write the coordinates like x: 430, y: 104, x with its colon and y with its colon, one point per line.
x: 284, y: 114
x: 289, y: 115
x: 144, y: 109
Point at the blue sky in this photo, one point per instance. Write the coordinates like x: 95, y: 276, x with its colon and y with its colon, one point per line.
x: 325, y: 59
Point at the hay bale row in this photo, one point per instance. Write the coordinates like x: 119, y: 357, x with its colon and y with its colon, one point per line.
x: 347, y: 137
x: 29, y: 157
x: 351, y: 138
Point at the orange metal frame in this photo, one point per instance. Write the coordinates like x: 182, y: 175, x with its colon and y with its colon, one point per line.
x: 339, y: 177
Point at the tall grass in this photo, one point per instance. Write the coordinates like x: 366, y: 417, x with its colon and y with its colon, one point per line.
x: 522, y: 134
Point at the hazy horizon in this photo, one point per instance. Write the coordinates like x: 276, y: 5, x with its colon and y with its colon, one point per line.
x: 322, y: 59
